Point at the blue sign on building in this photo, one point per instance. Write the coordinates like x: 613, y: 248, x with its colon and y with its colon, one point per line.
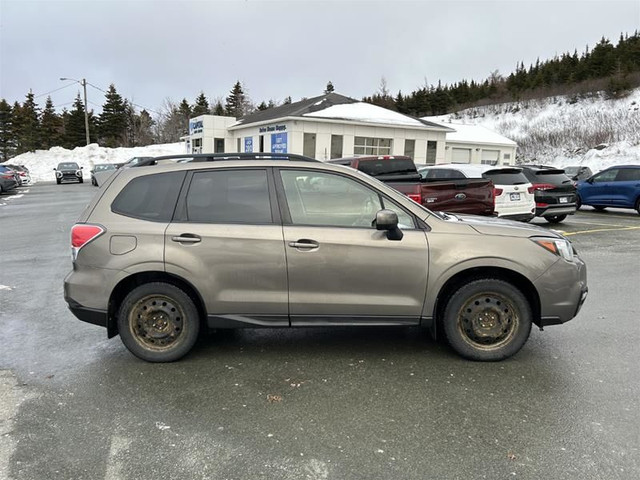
x: 279, y: 142
x: 248, y: 144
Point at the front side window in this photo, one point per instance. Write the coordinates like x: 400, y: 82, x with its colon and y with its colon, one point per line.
x: 229, y: 196
x: 608, y: 176
x: 371, y: 146
x: 325, y: 199
x: 151, y: 197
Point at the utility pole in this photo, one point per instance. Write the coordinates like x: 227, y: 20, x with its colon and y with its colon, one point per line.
x: 83, y: 82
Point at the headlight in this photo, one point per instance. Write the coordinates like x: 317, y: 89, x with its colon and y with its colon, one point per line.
x: 558, y: 246
x: 59, y: 174
x: 78, y: 173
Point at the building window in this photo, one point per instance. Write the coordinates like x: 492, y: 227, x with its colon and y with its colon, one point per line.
x: 507, y: 156
x: 409, y: 148
x: 261, y: 144
x: 336, y: 146
x: 196, y: 145
x: 218, y: 145
x: 238, y: 145
x: 309, y: 145
x: 432, y: 148
x: 371, y: 146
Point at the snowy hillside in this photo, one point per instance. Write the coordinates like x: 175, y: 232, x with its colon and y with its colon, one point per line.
x: 42, y: 162
x: 563, y: 130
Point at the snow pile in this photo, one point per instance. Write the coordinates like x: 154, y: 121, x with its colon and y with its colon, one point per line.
x: 42, y: 162
x: 471, y: 133
x: 365, y: 112
x: 564, y: 130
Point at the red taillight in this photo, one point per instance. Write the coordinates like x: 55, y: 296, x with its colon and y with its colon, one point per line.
x: 416, y: 197
x: 531, y: 189
x: 82, y: 233
x: 540, y: 204
x: 497, y: 192
x: 543, y: 186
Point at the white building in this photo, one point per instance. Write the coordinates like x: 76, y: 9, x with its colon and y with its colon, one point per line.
x: 476, y: 144
x: 325, y: 127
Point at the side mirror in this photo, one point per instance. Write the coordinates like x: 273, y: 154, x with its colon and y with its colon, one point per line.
x: 388, y: 220
x: 589, y: 180
x: 81, y: 168
x: 54, y: 169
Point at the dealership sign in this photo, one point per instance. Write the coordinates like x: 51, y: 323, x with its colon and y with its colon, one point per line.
x: 279, y: 142
x: 248, y: 144
x: 273, y: 128
x: 195, y: 126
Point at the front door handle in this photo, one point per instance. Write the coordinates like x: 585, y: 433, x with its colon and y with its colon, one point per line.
x: 305, y: 244
x: 186, y: 238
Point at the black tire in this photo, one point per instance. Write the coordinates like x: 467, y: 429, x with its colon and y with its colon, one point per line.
x: 507, y: 320
x: 93, y: 182
x: 80, y: 180
x: 578, y: 202
x: 158, y: 322
x: 599, y: 208
x: 555, y: 218
x: 58, y: 181
x: 638, y: 206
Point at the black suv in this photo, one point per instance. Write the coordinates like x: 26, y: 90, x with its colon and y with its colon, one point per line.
x: 555, y: 192
x: 68, y: 171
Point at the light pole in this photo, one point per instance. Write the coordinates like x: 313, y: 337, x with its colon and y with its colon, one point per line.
x: 83, y: 82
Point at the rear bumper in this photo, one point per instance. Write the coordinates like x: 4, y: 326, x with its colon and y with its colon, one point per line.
x: 559, y: 209
x: 89, y: 315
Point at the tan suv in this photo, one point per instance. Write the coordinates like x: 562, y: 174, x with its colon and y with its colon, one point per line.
x: 276, y: 240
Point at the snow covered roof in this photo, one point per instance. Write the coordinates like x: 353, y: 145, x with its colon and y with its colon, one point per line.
x: 476, y: 134
x: 337, y: 107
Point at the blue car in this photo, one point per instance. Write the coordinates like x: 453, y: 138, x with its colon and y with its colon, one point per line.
x: 614, y: 187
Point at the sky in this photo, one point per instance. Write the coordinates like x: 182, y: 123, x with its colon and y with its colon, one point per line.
x: 154, y: 51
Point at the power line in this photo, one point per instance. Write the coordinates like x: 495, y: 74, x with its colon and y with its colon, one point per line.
x: 52, y: 91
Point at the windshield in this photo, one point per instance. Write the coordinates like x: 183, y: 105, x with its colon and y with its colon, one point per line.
x: 68, y: 166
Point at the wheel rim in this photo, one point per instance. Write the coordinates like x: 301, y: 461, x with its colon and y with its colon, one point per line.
x: 488, y: 321
x: 157, y: 322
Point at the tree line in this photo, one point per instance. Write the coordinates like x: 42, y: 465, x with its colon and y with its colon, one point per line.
x: 26, y: 127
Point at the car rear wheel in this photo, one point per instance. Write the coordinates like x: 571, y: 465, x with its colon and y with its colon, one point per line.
x: 638, y: 206
x: 80, y: 180
x: 487, y: 320
x: 555, y: 218
x: 58, y: 181
x: 158, y: 322
x: 578, y: 202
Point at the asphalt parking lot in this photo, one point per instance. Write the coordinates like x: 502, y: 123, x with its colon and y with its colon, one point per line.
x: 376, y: 403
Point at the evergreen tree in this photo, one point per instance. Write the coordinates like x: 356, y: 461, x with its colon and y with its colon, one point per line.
x: 74, y: 129
x: 50, y: 126
x: 235, y: 104
x: 329, y: 88
x: 219, y: 109
x: 262, y: 106
x: 7, y: 137
x: 287, y: 101
x: 113, y: 122
x: 201, y: 106
x: 27, y: 125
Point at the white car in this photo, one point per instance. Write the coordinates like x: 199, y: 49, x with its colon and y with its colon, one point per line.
x: 514, y: 194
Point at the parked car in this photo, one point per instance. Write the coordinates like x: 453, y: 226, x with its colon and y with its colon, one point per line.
x: 8, y: 179
x: 280, y: 240
x: 455, y: 194
x: 97, y: 177
x: 23, y: 173
x: 555, y: 192
x: 513, y: 193
x: 613, y: 187
x: 68, y: 171
x: 578, y: 172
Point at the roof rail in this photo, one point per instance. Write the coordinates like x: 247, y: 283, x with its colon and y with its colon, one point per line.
x: 219, y: 157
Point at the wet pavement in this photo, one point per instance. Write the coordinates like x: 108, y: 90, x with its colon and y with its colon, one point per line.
x: 327, y: 403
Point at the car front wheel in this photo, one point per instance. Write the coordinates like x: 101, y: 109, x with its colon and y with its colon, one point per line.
x: 158, y: 322
x: 487, y: 320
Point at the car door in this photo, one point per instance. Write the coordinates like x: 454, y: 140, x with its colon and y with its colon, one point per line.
x: 226, y: 239
x: 625, y: 188
x: 599, y: 190
x: 341, y: 270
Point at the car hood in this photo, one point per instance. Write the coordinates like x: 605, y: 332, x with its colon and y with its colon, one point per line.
x: 502, y: 227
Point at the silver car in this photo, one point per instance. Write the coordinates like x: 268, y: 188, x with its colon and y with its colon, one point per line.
x: 177, y: 244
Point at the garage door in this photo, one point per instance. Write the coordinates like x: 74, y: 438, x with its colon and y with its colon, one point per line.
x: 490, y: 157
x: 461, y: 155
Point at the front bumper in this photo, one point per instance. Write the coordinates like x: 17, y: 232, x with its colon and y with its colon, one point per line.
x: 563, y: 290
x: 520, y: 217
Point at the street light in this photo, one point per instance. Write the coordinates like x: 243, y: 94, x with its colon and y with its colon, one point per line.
x: 82, y: 82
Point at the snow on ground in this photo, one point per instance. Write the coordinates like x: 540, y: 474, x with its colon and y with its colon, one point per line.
x: 42, y: 162
x: 365, y: 112
x: 569, y: 118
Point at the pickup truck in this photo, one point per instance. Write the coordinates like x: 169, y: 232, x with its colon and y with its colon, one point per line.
x: 457, y: 195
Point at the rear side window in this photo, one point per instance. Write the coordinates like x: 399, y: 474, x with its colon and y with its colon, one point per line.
x: 387, y: 166
x: 506, y: 178
x: 229, y: 196
x: 628, y: 175
x: 151, y: 197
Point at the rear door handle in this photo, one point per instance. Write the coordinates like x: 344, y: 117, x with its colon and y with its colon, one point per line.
x: 186, y: 238
x: 305, y: 244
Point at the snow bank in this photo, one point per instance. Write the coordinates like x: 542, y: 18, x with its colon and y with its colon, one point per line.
x: 42, y: 162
